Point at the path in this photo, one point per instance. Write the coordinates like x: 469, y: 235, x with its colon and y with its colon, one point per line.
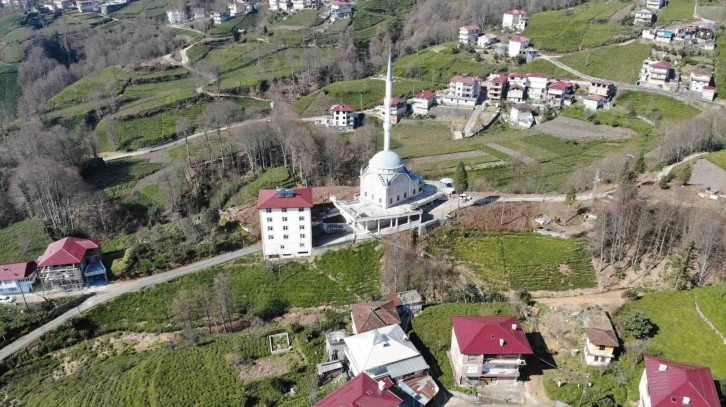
x: 445, y: 157
x: 609, y: 298
x: 667, y: 169
x: 469, y: 128
x: 512, y: 153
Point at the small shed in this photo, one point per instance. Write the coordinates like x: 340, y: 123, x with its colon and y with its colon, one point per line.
x: 334, y: 345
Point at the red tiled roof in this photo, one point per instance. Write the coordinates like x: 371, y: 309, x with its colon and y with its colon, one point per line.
x: 374, y: 315
x: 602, y: 337
x: 16, y: 271
x: 701, y: 72
x: 523, y: 107
x: 472, y: 27
x: 362, y: 391
x: 679, y: 380
x: 481, y: 336
x: 427, y: 94
x: 301, y: 198
x: 662, y: 64
x: 395, y: 101
x: 69, y: 250
x: 395, y: 299
x: 342, y: 108
x: 515, y: 12
x: 709, y: 87
x: 466, y: 79
x: 595, y: 97
x: 519, y: 38
x: 517, y: 75
x: 499, y: 79
x: 561, y: 85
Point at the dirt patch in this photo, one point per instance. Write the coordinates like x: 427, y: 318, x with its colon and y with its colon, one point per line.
x: 272, y: 366
x: 444, y: 157
x: 143, y: 341
x: 514, y: 216
x: 620, y: 14
x: 322, y: 194
x: 572, y: 129
x: 513, y: 153
x: 565, y: 269
x: 305, y: 316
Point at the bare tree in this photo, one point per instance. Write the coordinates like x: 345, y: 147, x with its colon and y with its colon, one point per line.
x: 223, y: 298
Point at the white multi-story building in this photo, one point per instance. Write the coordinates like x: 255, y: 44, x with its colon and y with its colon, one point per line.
x: 537, y: 86
x: 17, y: 277
x: 220, y: 16
x: 286, y: 222
x: 517, y: 44
x: 302, y: 4
x: 515, y: 19
x: 340, y: 9
x: 176, y: 15
x: 644, y: 16
x: 84, y: 6
x: 656, y: 74
x: 423, y: 101
x: 700, y: 78
x: 464, y: 90
x: 655, y: 4
x: 468, y: 34
x: 342, y: 116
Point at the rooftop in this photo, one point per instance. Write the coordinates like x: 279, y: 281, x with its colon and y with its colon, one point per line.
x: 374, y: 315
x: 380, y: 347
x: 466, y: 79
x: 471, y: 27
x: 519, y: 38
x: 523, y: 107
x: 365, y: 210
x: 426, y: 94
x: 515, y: 12
x: 490, y: 335
x: 342, y: 108
x: 16, y: 271
x: 290, y: 198
x: 361, y: 391
x: 669, y: 380
x: 69, y: 250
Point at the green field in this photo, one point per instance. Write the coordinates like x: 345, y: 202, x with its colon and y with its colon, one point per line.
x: 671, y: 109
x: 118, y: 176
x: 272, y: 178
x: 21, y: 241
x: 677, y: 10
x: 150, y: 8
x: 9, y: 89
x: 516, y: 261
x: 542, y: 66
x: 618, y: 63
x: 439, y: 63
x: 718, y: 158
x: 612, y: 117
x: 578, y: 27
x: 433, y: 327
x: 720, y: 60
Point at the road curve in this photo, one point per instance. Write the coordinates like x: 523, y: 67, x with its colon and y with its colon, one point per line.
x: 117, y: 289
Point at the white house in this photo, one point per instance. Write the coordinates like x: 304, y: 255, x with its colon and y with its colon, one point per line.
x: 486, y: 40
x: 654, y: 4
x: 700, y: 78
x: 709, y: 93
x: 559, y: 92
x: 423, y: 101
x: 61, y: 4
x: 515, y: 19
x: 644, y: 16
x: 342, y: 116
x: 302, y: 4
x: 656, y: 74
x: 399, y: 108
x: 468, y: 34
x: 537, y: 86
x: 601, y: 88
x: 220, y: 16
x: 649, y: 34
x: 198, y: 14
x: 668, y: 383
x: 176, y: 15
x: 497, y: 88
x: 84, y: 6
x: 521, y: 115
x: 286, y: 222
x: 278, y: 5
x: 464, y: 90
x: 517, y: 44
x: 17, y: 277
x: 340, y: 9
x: 594, y: 102
x: 236, y: 8
x: 516, y: 93
x: 600, y: 338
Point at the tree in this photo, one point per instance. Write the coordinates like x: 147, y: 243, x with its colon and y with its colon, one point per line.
x: 461, y: 178
x: 570, y: 198
x: 631, y: 294
x: 223, y: 298
x: 685, y: 175
x: 640, y: 164
x: 639, y: 325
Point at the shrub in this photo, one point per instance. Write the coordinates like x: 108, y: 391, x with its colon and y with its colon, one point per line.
x: 631, y: 294
x: 639, y: 325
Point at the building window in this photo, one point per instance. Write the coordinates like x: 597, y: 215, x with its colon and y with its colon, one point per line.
x: 398, y: 198
x: 472, y: 358
x: 302, y: 227
x: 284, y: 228
x: 285, y: 236
x: 284, y: 210
x: 302, y: 244
x: 269, y: 219
x: 390, y: 200
x: 269, y: 228
x: 301, y: 218
x: 601, y: 347
x: 268, y: 210
x: 301, y: 209
x: 270, y: 237
x: 284, y: 218
x: 302, y: 235
x: 282, y: 246
x: 405, y: 194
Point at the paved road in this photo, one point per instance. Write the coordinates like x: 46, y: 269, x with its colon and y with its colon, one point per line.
x: 114, y: 290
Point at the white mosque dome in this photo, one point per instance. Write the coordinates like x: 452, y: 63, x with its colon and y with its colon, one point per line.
x: 385, y: 160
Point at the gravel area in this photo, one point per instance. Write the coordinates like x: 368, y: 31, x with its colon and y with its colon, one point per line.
x: 709, y: 175
x: 573, y: 129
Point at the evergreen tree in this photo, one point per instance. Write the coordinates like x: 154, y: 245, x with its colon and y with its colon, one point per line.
x: 570, y: 198
x: 461, y: 178
x: 640, y: 164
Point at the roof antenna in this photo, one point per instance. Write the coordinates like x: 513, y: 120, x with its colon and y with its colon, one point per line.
x: 387, y: 106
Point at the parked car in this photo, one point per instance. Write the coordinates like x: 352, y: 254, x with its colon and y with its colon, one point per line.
x: 6, y: 299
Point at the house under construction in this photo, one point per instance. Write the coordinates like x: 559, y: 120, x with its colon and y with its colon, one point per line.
x: 70, y: 264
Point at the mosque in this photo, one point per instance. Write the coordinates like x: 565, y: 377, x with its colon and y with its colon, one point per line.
x: 391, y: 196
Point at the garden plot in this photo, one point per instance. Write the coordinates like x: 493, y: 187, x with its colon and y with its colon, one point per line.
x: 572, y: 129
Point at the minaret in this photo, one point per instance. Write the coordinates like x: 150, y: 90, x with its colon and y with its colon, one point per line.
x: 387, y: 106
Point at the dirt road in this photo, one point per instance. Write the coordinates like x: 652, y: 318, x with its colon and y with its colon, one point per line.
x: 605, y: 300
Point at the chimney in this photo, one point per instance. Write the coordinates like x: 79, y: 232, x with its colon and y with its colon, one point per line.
x: 381, y: 385
x: 514, y: 327
x: 662, y: 368
x: 501, y: 342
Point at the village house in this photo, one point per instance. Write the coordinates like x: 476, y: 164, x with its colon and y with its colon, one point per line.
x: 560, y: 93
x: 649, y: 34
x: 343, y: 117
x: 399, y: 109
x: 423, y: 101
x: 521, y: 115
x: 62, y: 4
x: 370, y: 316
x: 176, y: 15
x: 198, y: 14
x: 601, y: 88
x: 335, y: 345
x: 600, y: 338
x: 16, y: 278
x: 486, y: 40
x: 664, y: 36
x: 517, y: 44
x: 594, y: 102
x: 340, y: 9
x: 518, y: 78
x: 497, y: 88
x: 286, y: 222
x: 709, y: 93
x: 303, y: 4
x: 657, y: 74
x: 667, y: 383
x: 236, y: 8
x: 464, y: 90
x: 84, y: 6
x: 411, y: 301
x: 280, y: 5
x: 468, y: 34
x: 644, y: 16
x: 220, y: 16
x: 362, y: 391
x: 537, y: 86
x: 515, y: 20
x: 488, y: 348
x: 388, y: 353
x: 654, y: 4
x: 700, y: 78
x: 71, y: 263
x: 516, y: 93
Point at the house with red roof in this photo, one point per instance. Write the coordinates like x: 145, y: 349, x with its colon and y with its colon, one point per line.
x: 515, y: 19
x: 701, y: 80
x: 497, y: 88
x: 16, y: 278
x: 71, y: 263
x: 343, y: 117
x: 468, y: 34
x: 362, y: 391
x: 464, y: 90
x: 486, y: 40
x: 423, y: 101
x: 373, y: 315
x: 399, y: 109
x: 658, y: 74
x: 559, y: 93
x: 286, y: 222
x: 487, y: 347
x: 517, y: 44
x: 600, y: 337
x: 671, y: 383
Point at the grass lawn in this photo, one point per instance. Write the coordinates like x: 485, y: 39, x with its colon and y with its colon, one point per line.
x: 585, y: 25
x: 720, y: 74
x: 542, y: 66
x: 611, y: 117
x: 671, y: 109
x: 25, y: 240
x: 439, y: 63
x: 272, y: 178
x: 9, y: 89
x: 150, y: 8
x: 522, y: 260
x: 682, y: 335
x: 450, y: 165
x: 433, y: 328
x: 676, y: 10
x: 617, y: 63
x: 718, y: 158
x: 115, y: 177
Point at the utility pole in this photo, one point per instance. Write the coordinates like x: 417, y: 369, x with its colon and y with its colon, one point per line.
x: 595, y: 181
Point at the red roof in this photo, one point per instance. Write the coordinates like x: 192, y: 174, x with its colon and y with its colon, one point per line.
x: 515, y: 12
x: 342, y: 108
x: 661, y: 64
x: 499, y: 79
x: 472, y: 27
x: 519, y: 38
x: 466, y: 79
x: 561, y: 85
x: 374, y: 315
x: 395, y: 101
x: 483, y: 335
x: 701, y: 72
x: 709, y: 87
x: 602, y: 337
x: 69, y: 250
x: 16, y: 271
x: 517, y: 75
x: 362, y: 391
x: 427, y: 94
x: 668, y: 380
x: 270, y: 199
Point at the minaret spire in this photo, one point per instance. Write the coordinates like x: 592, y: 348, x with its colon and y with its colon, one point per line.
x: 387, y: 106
